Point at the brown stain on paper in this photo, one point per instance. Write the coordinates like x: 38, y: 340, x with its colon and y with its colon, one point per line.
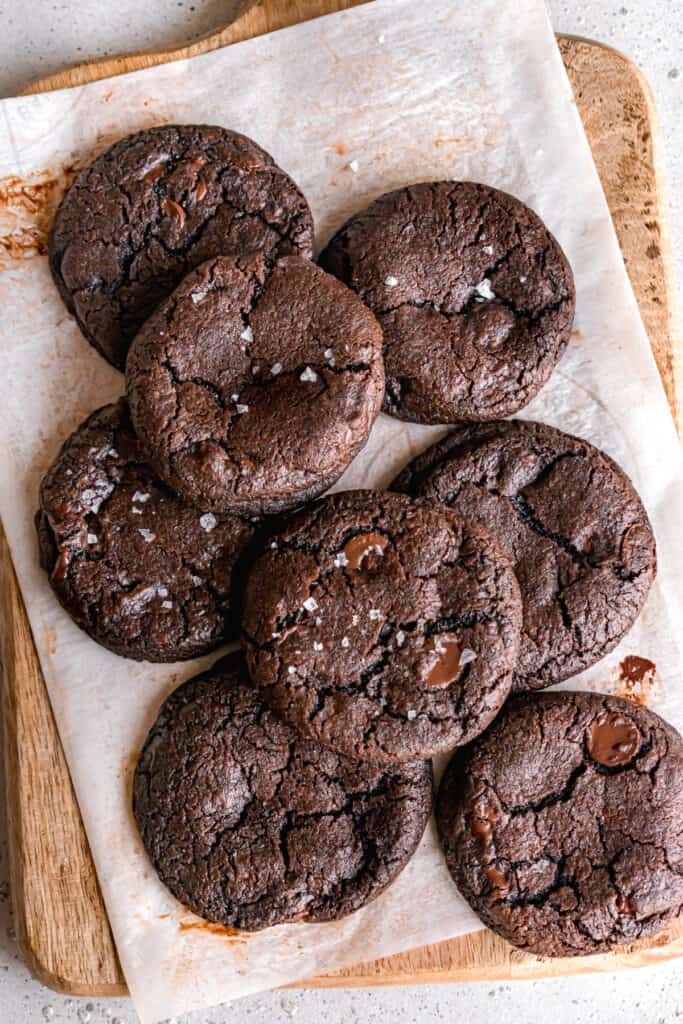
x: 637, y: 678
x: 27, y: 207
x: 191, y: 925
x: 50, y: 639
x: 28, y: 204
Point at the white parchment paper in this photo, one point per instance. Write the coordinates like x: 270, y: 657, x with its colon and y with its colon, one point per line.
x: 351, y: 105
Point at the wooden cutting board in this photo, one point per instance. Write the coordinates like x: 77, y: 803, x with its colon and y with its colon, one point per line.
x: 62, y: 926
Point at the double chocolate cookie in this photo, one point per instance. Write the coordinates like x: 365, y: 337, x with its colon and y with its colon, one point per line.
x: 571, y: 522
x: 474, y: 295
x: 385, y: 628
x: 154, y: 206
x: 563, y: 824
x: 142, y: 573
x: 254, y: 385
x: 250, y: 826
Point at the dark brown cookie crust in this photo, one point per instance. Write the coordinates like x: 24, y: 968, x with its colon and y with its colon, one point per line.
x: 579, y: 538
x: 153, y: 207
x: 250, y: 826
x: 383, y: 627
x: 141, y: 573
x: 254, y: 386
x: 474, y: 295
x: 563, y: 824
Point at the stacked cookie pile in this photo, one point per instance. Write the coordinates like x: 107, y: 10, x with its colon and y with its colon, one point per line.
x: 293, y: 781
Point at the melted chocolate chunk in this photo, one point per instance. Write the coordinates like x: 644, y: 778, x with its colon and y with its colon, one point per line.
x: 612, y: 740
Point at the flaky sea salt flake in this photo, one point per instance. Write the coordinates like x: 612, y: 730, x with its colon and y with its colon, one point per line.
x: 310, y: 604
x: 466, y: 656
x: 484, y: 289
x: 208, y: 521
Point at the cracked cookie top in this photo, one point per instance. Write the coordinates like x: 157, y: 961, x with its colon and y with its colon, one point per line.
x: 154, y: 206
x: 249, y: 825
x: 563, y: 824
x: 143, y: 574
x: 569, y: 518
x: 383, y: 627
x: 474, y: 296
x: 255, y: 384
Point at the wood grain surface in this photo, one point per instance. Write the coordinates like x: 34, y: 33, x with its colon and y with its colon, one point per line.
x: 62, y: 926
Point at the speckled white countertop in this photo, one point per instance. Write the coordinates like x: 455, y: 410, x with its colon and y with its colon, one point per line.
x: 41, y: 36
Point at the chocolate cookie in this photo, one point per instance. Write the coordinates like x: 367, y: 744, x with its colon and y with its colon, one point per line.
x: 141, y: 573
x: 474, y: 295
x: 569, y: 518
x: 253, y: 385
x: 385, y: 628
x: 250, y: 826
x: 563, y: 824
x: 154, y: 206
